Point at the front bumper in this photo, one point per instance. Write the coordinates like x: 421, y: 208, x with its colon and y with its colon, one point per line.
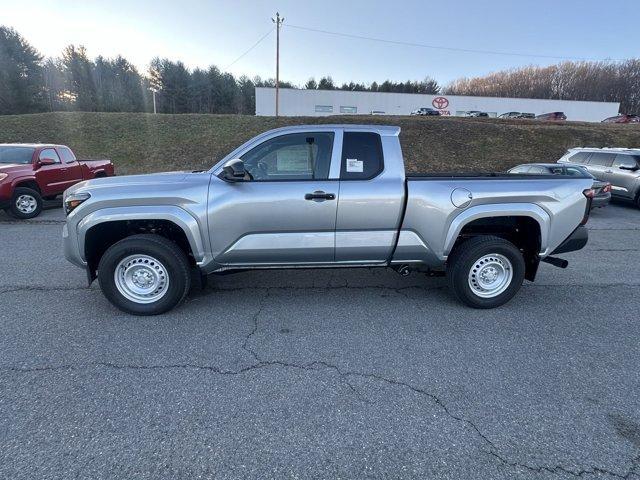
x: 576, y: 241
x: 70, y: 247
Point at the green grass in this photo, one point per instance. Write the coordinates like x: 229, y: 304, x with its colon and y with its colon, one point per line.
x: 139, y: 142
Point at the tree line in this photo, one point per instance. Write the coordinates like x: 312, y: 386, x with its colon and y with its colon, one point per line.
x: 595, y: 81
x: 30, y: 83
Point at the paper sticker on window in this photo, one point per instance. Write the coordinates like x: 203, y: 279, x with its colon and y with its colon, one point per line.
x: 294, y: 158
x: 354, y: 165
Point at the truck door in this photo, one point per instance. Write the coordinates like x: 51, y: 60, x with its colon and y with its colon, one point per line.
x: 74, y: 170
x: 51, y: 178
x: 371, y: 197
x: 623, y: 177
x: 286, y: 212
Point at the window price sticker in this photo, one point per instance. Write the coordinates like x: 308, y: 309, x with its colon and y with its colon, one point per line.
x: 354, y: 165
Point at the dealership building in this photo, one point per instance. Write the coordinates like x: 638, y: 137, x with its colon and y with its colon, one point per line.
x: 316, y: 103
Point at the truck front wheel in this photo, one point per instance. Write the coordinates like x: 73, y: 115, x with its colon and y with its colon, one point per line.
x: 26, y: 203
x: 144, y: 274
x: 485, y: 271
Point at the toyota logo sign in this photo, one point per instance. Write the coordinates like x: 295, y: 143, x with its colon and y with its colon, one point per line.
x: 440, y: 103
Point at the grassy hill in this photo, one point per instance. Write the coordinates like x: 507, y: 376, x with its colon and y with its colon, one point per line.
x: 138, y: 142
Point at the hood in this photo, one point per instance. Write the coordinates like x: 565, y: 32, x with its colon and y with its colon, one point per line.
x: 14, y: 167
x: 142, y: 181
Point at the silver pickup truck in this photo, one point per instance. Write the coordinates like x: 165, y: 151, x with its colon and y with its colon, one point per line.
x: 319, y: 196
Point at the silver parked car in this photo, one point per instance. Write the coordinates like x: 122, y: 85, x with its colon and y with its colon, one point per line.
x: 618, y: 166
x: 601, y: 190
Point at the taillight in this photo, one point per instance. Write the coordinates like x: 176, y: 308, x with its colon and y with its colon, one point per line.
x: 607, y: 188
x: 589, y: 193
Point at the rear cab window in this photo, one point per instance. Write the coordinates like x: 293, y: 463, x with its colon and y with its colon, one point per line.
x: 66, y: 154
x: 362, y: 157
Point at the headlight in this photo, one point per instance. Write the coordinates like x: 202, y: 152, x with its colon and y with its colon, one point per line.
x: 3, y: 176
x: 72, y: 201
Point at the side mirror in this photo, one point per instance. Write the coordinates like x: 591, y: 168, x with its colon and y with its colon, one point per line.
x: 630, y: 168
x: 46, y: 161
x: 234, y: 171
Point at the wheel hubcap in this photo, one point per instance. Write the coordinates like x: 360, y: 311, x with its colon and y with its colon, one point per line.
x: 490, y: 275
x: 141, y: 279
x: 26, y: 204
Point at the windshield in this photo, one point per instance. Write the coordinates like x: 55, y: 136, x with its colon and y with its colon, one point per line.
x: 21, y: 155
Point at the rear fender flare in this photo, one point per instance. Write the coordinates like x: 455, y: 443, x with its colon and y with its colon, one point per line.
x: 499, y: 210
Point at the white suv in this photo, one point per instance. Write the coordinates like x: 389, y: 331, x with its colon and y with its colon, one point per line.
x: 618, y: 166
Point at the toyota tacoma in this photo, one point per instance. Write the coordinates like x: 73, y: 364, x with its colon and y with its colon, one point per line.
x: 30, y: 173
x: 321, y: 196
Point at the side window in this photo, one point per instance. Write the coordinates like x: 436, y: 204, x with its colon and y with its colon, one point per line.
x: 298, y: 156
x: 361, y: 156
x: 622, y: 160
x: 520, y: 169
x: 66, y: 155
x: 576, y: 172
x: 49, y: 153
x: 603, y: 159
x: 558, y: 171
x: 538, y: 171
x: 580, y: 157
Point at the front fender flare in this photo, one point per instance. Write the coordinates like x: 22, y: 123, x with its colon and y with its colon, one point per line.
x: 499, y: 210
x: 177, y: 215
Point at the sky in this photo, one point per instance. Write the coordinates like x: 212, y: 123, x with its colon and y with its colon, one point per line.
x: 216, y: 32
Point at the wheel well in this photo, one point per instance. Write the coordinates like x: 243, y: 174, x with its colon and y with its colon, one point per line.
x: 100, y: 237
x: 523, y: 232
x: 32, y: 184
x: 100, y: 175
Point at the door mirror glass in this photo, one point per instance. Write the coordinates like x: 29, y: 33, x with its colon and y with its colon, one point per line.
x: 234, y: 171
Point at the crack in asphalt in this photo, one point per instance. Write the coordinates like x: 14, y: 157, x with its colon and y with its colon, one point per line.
x: 259, y: 363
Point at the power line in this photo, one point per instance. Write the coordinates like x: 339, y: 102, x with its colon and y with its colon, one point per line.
x: 435, y: 47
x: 250, y: 48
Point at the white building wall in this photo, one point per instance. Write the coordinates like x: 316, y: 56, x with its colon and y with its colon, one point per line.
x: 305, y: 103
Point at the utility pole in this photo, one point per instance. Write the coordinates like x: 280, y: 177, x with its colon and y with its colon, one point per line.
x: 278, y: 21
x: 154, y: 90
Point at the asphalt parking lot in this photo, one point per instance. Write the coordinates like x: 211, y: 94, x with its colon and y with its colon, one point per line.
x: 322, y: 374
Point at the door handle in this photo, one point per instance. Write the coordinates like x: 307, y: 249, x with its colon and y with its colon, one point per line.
x: 320, y: 195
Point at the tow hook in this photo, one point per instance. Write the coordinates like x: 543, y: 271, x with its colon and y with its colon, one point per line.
x: 403, y: 270
x: 556, y: 262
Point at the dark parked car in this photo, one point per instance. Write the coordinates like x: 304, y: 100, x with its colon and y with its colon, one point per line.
x: 476, y: 113
x: 624, y: 118
x: 552, y: 117
x: 425, y: 111
x: 602, y: 190
x: 510, y: 115
x: 527, y: 115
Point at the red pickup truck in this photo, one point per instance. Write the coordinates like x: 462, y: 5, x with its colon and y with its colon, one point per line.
x: 30, y: 173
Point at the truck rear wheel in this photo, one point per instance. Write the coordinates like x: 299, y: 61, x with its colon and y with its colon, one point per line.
x: 144, y: 274
x: 485, y: 271
x: 26, y: 203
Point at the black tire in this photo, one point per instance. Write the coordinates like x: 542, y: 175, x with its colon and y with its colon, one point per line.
x: 171, y: 257
x: 19, y: 194
x: 464, y: 258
